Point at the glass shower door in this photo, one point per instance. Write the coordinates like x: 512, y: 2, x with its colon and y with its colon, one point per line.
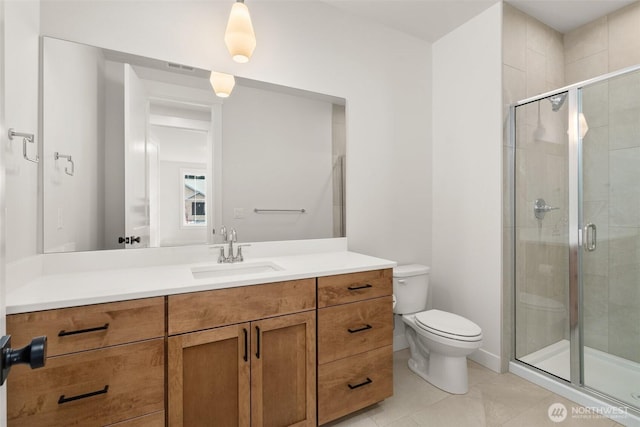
x: 610, y: 252
x: 541, y: 228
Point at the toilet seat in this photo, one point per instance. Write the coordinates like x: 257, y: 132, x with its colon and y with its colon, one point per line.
x: 448, y: 325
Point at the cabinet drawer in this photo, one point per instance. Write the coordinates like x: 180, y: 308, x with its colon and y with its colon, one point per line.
x: 152, y: 420
x: 89, y: 327
x: 348, y: 329
x: 345, y: 288
x: 97, y: 387
x: 346, y: 385
x: 203, y: 310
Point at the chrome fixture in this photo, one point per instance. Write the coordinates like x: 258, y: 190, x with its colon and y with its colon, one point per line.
x: 26, y: 137
x: 257, y: 210
x: 66, y: 168
x: 230, y: 237
x: 540, y: 208
x: 557, y: 101
x: 590, y: 238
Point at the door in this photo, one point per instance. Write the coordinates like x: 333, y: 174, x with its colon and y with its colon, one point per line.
x: 541, y: 228
x: 610, y: 223
x: 208, y: 378
x: 283, y: 371
x: 135, y: 134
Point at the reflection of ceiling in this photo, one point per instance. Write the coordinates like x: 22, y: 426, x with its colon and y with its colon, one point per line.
x: 431, y: 19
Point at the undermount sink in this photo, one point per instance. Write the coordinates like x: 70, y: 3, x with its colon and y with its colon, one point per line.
x: 240, y: 269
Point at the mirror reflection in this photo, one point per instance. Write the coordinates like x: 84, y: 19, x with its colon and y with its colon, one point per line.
x: 159, y: 160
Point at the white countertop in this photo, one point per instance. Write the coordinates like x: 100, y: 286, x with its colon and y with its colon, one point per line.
x: 50, y: 291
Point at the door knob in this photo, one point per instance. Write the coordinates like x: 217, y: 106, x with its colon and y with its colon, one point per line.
x: 34, y: 354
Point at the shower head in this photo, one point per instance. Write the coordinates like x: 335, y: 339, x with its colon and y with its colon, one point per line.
x: 557, y: 100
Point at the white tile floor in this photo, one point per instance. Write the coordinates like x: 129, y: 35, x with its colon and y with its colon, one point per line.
x: 493, y: 400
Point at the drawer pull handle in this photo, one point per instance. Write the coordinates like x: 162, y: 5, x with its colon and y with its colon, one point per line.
x: 82, y: 396
x: 246, y: 344
x: 258, y: 342
x: 355, y: 288
x: 367, y: 381
x: 364, y: 328
x: 82, y: 331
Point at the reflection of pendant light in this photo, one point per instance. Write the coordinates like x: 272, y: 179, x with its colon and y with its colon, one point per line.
x: 584, y: 128
x: 222, y: 83
x: 239, y: 36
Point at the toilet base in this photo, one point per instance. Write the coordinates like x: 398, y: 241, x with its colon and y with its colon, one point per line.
x: 445, y: 372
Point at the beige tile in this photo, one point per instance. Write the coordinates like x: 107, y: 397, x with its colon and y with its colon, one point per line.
x: 624, y: 331
x: 535, y: 73
x: 595, y: 104
x: 596, y: 311
x: 596, y: 165
x: 624, y: 195
x: 538, y: 415
x: 624, y: 37
x: 586, y: 40
x: 538, y: 36
x: 404, y: 422
x: 586, y: 68
x: 555, y: 60
x: 513, y: 84
x: 479, y: 374
x: 514, y: 35
x: 448, y: 412
x: 357, y: 419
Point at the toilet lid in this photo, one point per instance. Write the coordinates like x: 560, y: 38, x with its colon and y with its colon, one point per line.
x: 448, y: 324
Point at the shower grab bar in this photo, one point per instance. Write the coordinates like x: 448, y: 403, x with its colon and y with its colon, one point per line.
x: 256, y: 210
x: 26, y: 137
x: 66, y: 168
x: 591, y: 241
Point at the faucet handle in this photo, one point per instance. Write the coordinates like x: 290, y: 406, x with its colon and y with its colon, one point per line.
x: 239, y: 257
x: 223, y: 233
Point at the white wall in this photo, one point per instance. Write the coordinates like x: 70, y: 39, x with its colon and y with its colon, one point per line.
x: 21, y: 106
x: 276, y: 155
x: 73, y: 125
x: 383, y: 74
x: 467, y: 177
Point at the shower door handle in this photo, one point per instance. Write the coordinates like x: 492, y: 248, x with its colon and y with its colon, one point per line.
x: 590, y: 237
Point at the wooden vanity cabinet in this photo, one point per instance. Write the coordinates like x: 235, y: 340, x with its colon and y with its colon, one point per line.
x: 355, y: 342
x: 105, y: 366
x: 250, y: 359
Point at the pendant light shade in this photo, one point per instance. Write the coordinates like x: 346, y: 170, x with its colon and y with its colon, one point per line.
x: 222, y: 83
x: 239, y: 36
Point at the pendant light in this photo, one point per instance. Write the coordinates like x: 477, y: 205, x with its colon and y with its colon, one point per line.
x: 239, y: 36
x: 222, y: 83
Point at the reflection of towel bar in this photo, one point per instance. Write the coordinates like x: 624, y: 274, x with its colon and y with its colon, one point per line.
x: 26, y: 137
x: 68, y: 157
x: 256, y: 210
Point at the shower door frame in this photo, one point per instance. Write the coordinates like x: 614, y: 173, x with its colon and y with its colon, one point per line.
x: 576, y: 227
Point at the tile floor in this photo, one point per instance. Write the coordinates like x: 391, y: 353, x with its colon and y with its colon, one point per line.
x: 493, y: 400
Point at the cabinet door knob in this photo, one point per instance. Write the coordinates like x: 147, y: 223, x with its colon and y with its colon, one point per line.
x: 34, y: 354
x: 364, y: 328
x: 257, y: 342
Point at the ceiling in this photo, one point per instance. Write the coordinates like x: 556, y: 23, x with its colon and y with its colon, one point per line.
x: 431, y: 19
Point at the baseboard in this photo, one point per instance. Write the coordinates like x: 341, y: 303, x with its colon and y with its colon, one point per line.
x: 486, y: 359
x: 400, y: 342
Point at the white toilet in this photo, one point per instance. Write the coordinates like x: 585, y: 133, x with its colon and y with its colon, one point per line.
x: 439, y: 341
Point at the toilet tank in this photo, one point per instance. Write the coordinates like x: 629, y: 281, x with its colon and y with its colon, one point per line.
x: 410, y: 287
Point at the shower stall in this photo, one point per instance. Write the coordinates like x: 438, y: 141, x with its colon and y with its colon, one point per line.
x: 574, y: 182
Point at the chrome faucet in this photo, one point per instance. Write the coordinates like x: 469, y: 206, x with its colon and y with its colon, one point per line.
x: 229, y: 237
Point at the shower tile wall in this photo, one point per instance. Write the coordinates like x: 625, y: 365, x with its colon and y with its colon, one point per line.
x: 612, y: 176
x: 533, y: 56
x: 538, y: 59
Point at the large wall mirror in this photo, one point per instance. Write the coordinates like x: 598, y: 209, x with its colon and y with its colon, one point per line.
x: 138, y: 152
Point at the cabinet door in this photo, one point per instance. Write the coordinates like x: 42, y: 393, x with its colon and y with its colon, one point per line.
x: 209, y: 378
x: 283, y: 371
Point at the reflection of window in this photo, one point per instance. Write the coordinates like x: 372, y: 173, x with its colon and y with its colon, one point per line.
x: 195, y: 198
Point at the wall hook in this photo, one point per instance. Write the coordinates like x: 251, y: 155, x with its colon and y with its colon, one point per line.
x: 26, y: 137
x: 68, y: 157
